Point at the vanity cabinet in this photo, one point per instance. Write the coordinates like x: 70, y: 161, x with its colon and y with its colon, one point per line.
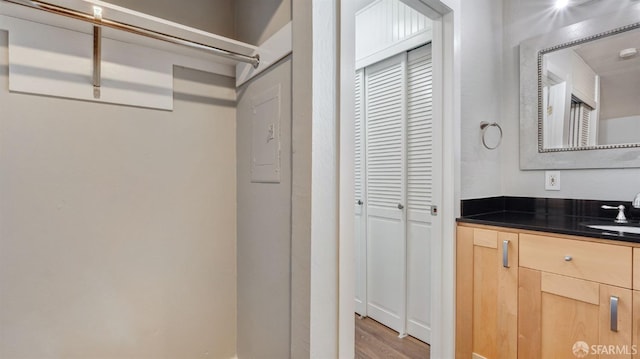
x: 553, y: 292
x: 636, y: 303
x: 636, y: 324
x: 636, y: 268
x: 572, y: 291
x: 487, y: 299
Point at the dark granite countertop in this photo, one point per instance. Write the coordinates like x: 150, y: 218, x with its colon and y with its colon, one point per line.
x: 548, y: 215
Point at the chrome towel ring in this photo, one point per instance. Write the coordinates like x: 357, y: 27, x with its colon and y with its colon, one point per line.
x: 483, y: 127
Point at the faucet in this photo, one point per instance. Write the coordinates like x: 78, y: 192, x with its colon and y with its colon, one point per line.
x: 621, y: 218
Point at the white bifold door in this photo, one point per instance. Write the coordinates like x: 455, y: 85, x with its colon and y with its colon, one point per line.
x: 394, y: 165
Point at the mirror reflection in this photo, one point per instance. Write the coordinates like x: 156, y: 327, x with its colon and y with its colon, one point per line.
x: 589, y: 94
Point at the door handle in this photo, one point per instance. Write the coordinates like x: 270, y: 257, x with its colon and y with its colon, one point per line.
x: 505, y: 253
x: 400, y: 206
x: 613, y: 308
x: 360, y: 202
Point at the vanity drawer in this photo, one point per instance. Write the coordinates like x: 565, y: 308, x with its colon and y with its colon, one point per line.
x: 603, y: 263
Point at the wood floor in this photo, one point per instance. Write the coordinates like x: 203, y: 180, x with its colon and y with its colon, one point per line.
x: 374, y: 340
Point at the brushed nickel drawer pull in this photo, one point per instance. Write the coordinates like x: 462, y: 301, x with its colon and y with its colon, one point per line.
x: 613, y: 307
x: 568, y: 258
x: 505, y: 253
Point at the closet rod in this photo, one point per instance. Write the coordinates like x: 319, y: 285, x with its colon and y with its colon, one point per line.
x: 36, y: 4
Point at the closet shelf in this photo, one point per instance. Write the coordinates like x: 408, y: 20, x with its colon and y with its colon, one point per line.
x: 133, y: 27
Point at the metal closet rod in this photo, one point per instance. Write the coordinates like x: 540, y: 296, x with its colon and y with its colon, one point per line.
x: 35, y: 4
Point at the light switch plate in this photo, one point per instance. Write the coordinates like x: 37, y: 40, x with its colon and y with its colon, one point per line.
x: 552, y: 180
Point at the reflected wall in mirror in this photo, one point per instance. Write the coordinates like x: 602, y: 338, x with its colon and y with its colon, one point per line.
x: 589, y: 92
x: 592, y: 67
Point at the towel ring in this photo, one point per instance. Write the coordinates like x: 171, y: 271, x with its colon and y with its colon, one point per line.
x: 483, y: 126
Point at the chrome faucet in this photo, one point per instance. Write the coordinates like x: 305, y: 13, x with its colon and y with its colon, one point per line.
x: 620, y: 218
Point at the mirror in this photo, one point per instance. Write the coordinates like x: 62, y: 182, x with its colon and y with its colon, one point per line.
x: 580, y: 95
x: 590, y: 92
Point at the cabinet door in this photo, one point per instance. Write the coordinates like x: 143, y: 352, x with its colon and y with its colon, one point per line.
x: 636, y: 324
x: 636, y: 268
x: 487, y: 294
x: 557, y: 314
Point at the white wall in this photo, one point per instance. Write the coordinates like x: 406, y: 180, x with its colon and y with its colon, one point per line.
x: 264, y: 209
x: 117, y: 224
x: 215, y: 16
x: 264, y: 231
x: 257, y: 20
x: 522, y: 20
x: 619, y: 130
x: 481, y: 96
x: 490, y: 91
x: 315, y: 180
x: 386, y: 28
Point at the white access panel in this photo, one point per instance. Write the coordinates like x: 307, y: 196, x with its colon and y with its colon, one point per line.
x: 265, y: 136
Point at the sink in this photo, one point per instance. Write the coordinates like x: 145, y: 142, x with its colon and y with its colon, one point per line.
x: 615, y: 228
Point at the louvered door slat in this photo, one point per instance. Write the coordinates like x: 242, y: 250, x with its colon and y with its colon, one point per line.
x: 384, y: 128
x: 419, y: 130
x: 359, y: 141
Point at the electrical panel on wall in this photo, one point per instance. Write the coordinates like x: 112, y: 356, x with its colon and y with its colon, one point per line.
x: 265, y: 137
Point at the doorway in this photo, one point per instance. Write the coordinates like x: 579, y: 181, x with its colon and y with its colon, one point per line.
x: 441, y: 252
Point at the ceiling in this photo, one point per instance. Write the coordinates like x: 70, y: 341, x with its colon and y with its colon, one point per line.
x: 361, y: 4
x: 619, y: 78
x: 602, y: 54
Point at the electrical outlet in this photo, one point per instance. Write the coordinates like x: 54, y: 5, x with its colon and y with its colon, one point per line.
x: 552, y: 180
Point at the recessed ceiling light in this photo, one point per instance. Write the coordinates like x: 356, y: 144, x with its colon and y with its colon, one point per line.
x: 561, y: 4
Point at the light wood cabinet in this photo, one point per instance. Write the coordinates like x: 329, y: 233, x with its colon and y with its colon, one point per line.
x: 599, y: 262
x: 558, y: 311
x: 636, y: 268
x: 636, y: 324
x: 636, y: 304
x: 554, y: 292
x: 487, y: 294
x: 573, y: 291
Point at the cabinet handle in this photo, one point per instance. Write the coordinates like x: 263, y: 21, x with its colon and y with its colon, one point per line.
x: 568, y: 258
x: 505, y: 253
x: 613, y: 307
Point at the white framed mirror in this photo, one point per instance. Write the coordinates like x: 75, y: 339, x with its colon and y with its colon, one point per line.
x: 580, y: 95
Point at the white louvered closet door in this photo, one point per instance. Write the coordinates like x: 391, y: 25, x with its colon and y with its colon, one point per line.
x: 360, y: 209
x: 394, y: 173
x: 385, y: 188
x: 419, y: 191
